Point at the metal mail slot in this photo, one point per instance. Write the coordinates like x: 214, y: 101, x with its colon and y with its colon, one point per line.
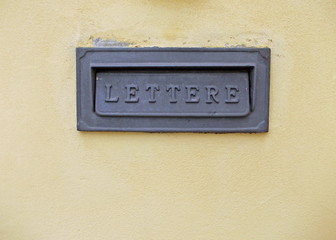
x: 175, y: 93
x: 173, y: 89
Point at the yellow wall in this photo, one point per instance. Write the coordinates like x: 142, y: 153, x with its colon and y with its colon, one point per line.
x: 60, y: 184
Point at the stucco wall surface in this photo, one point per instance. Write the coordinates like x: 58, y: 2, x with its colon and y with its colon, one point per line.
x: 57, y: 183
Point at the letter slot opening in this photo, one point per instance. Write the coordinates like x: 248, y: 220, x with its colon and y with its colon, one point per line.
x: 172, y: 92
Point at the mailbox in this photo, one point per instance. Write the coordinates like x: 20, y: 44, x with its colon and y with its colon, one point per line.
x: 173, y: 89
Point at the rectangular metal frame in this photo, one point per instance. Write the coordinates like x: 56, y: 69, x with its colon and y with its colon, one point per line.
x: 257, y: 60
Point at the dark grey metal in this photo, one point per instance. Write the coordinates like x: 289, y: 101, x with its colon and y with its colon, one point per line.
x: 173, y: 89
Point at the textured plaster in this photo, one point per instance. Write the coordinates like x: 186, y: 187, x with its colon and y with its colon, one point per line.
x: 57, y: 183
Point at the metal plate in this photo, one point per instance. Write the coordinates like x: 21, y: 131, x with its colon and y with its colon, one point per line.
x: 173, y: 90
x: 174, y: 93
